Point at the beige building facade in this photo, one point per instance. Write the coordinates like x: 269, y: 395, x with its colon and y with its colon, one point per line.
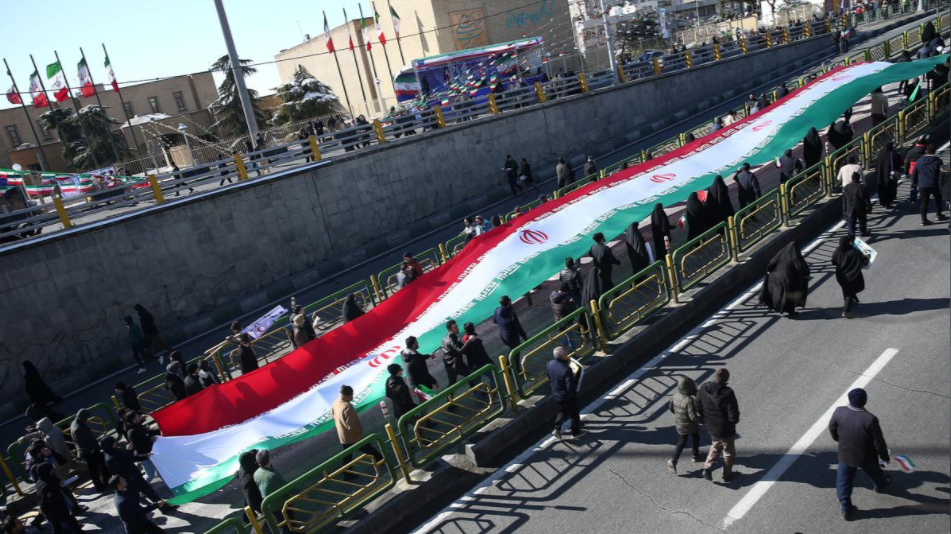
x: 428, y: 28
x: 185, y: 99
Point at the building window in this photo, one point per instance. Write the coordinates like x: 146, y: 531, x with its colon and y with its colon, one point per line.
x: 47, y: 136
x: 14, y: 136
x: 128, y: 111
x: 179, y: 100
x: 153, y: 103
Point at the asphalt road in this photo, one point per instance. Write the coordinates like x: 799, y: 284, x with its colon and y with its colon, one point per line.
x: 787, y: 373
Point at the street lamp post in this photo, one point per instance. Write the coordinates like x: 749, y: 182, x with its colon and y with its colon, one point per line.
x: 184, y: 129
x: 237, y: 71
x: 610, y: 37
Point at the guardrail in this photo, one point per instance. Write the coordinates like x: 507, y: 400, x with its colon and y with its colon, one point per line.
x: 701, y: 256
x: 388, y: 285
x: 641, y: 295
x: 752, y: 224
x: 229, y: 526
x: 267, y: 347
x: 326, y: 313
x: 164, y: 187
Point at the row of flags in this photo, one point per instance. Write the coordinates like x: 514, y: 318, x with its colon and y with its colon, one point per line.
x: 57, y: 79
x: 365, y: 30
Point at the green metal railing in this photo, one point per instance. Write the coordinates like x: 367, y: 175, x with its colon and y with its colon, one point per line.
x: 428, y: 258
x: 700, y: 257
x: 529, y: 360
x: 640, y: 296
x: 326, y: 312
x: 753, y: 223
x: 229, y: 526
x: 454, y: 245
x: 805, y: 189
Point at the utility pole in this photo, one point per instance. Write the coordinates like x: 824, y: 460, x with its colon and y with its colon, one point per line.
x: 237, y: 71
x: 610, y: 38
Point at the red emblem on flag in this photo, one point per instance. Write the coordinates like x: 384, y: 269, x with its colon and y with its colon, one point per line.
x: 661, y: 178
x: 381, y: 358
x: 759, y: 127
x: 533, y: 237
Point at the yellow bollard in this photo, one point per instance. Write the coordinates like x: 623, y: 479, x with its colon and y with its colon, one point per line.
x: 314, y: 149
x: 378, y: 128
x: 687, y: 59
x: 602, y: 338
x: 507, y: 378
x: 442, y: 253
x: 807, y: 30
x: 440, y: 119
x: 786, y: 35
x: 255, y: 525
x: 828, y: 26
x: 674, y: 284
x: 620, y: 74
x: 656, y: 66
x: 734, y: 240
x: 743, y: 46
x: 115, y: 402
x: 61, y: 210
x: 376, y: 288
x: 540, y: 93
x: 716, y: 52
x: 242, y: 170
x: 398, y: 452
x: 156, y: 190
x: 583, y: 82
x: 769, y: 41
x: 493, y: 105
x: 216, y: 357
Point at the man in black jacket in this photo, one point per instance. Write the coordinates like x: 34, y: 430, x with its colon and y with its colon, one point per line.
x: 141, y: 439
x: 88, y: 450
x: 747, y: 186
x: 604, y: 260
x: 452, y: 355
x: 925, y: 178
x: 135, y: 517
x: 193, y: 384
x: 861, y: 445
x: 175, y: 383
x: 857, y: 205
x: 717, y: 407
x: 122, y: 462
x: 398, y: 392
x: 564, y: 388
x: 128, y: 396
x: 570, y: 275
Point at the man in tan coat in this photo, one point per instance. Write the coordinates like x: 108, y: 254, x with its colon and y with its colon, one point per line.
x: 349, y: 428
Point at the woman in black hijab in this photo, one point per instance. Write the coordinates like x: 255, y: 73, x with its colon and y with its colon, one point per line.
x: 590, y: 290
x: 812, y: 148
x: 787, y: 281
x: 247, y: 359
x: 660, y: 229
x: 887, y: 169
x: 848, y: 264
x: 636, y: 249
x: 840, y: 134
x: 695, y: 218
x: 928, y: 33
x: 351, y: 310
x: 245, y: 476
x: 718, y: 197
x: 36, y: 388
x: 52, y: 501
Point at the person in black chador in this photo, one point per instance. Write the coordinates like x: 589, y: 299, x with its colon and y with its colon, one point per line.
x: 787, y: 281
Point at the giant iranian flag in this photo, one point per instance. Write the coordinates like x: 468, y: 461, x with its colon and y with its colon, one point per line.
x: 289, y: 400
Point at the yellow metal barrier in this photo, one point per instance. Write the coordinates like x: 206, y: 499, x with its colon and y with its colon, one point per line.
x: 155, y: 398
x: 769, y: 40
x: 61, y: 211
x: 398, y: 452
x: 10, y: 476
x: 754, y: 222
x: 493, y: 105
x: 242, y: 169
x: 314, y: 149
x: 807, y: 30
x: 940, y: 101
x: 687, y: 59
x: 805, y: 189
x: 530, y: 359
x: 716, y: 52
x: 878, y: 137
x: 700, y: 257
x: 583, y: 82
x: 621, y: 76
x: 327, y: 316
x: 540, y: 93
x: 743, y: 46
x: 656, y: 66
x: 440, y: 118
x: 156, y: 190
x: 452, y: 420
x: 273, y: 343
x: 646, y: 293
x: 392, y: 283
x: 786, y: 35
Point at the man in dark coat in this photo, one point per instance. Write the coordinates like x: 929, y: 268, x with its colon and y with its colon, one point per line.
x: 398, y: 392
x: 590, y: 167
x: 857, y: 205
x: 245, y: 476
x: 511, y: 173
x: 134, y: 516
x: 561, y: 173
x: 717, y: 407
x: 747, y: 186
x: 193, y: 383
x: 128, y: 396
x: 123, y: 462
x: 141, y: 438
x: 52, y: 501
x: 452, y: 355
x: 564, y: 389
x: 925, y: 178
x: 570, y: 275
x: 88, y: 450
x: 787, y: 281
x: 417, y: 370
x: 510, y: 329
x: 848, y: 264
x: 604, y: 261
x: 174, y: 383
x: 150, y: 329
x: 861, y: 445
x: 789, y: 166
x: 911, y: 161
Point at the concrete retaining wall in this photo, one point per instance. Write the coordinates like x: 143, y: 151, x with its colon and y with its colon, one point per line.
x: 201, y: 262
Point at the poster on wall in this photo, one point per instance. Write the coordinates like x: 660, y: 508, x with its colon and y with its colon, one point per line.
x: 468, y: 28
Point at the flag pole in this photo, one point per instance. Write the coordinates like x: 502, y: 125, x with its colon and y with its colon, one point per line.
x: 122, y: 101
x: 115, y: 151
x: 96, y: 92
x: 376, y: 77
x: 79, y: 115
x: 82, y: 127
x: 355, y: 64
x: 44, y: 163
x: 399, y: 45
x: 340, y: 72
x: 385, y: 55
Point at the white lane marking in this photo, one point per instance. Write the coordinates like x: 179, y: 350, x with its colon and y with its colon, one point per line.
x: 524, y: 457
x: 776, y: 472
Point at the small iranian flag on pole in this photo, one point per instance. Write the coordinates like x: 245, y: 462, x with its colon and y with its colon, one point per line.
x: 55, y: 74
x: 12, y: 96
x: 366, y: 32
x: 379, y: 27
x: 111, y: 76
x: 39, y: 97
x: 85, y: 80
x: 327, y: 38
x: 396, y: 22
